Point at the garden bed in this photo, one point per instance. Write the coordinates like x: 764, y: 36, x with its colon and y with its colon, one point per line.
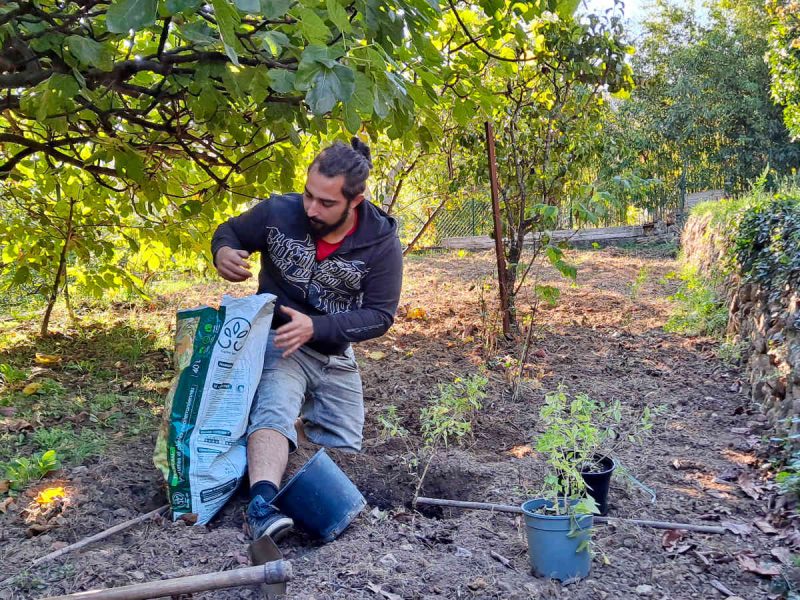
x: 604, y: 338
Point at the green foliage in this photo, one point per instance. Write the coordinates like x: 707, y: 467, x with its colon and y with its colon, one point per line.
x: 11, y: 374
x: 638, y: 283
x: 578, y: 431
x: 789, y: 477
x: 72, y: 447
x: 391, y: 423
x: 784, y: 59
x: 131, y: 128
x: 699, y: 310
x: 767, y: 245
x: 701, y: 115
x: 22, y: 471
x: 449, y: 416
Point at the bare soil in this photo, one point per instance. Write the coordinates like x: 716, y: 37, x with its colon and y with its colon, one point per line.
x: 605, y: 337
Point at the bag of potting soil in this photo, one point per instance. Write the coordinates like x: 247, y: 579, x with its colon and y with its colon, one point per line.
x: 219, y: 356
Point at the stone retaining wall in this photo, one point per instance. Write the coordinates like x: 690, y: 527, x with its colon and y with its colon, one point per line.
x: 769, y: 329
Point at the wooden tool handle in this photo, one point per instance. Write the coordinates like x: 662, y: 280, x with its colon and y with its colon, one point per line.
x: 278, y: 571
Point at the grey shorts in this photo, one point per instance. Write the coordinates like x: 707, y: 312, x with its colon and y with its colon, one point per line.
x: 324, y: 391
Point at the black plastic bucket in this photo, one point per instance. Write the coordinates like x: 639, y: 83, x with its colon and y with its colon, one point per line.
x: 598, y: 482
x: 320, y: 498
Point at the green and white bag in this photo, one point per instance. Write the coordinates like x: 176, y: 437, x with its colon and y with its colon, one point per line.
x: 219, y: 357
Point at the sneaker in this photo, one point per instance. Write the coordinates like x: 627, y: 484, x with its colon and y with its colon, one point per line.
x: 264, y: 519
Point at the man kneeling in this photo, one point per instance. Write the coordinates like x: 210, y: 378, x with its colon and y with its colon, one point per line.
x: 334, y: 262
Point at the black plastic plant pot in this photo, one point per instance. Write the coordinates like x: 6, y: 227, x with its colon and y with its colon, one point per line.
x: 597, y: 482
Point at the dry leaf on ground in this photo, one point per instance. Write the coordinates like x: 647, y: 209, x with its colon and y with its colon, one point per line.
x: 376, y: 355
x: 416, y: 313
x: 737, y: 527
x: 784, y: 555
x: 376, y: 589
x: 46, y: 359
x: 671, y: 537
x: 749, y: 486
x: 764, y: 526
x: 748, y: 563
x: 31, y: 388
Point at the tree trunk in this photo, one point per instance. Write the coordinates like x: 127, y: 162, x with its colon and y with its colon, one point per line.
x: 62, y: 267
x: 502, y: 272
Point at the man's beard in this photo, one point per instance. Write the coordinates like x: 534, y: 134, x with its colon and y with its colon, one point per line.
x: 319, y: 229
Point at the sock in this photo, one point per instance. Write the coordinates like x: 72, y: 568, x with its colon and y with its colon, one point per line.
x: 264, y: 488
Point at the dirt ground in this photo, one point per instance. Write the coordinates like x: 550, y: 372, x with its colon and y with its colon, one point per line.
x: 605, y: 337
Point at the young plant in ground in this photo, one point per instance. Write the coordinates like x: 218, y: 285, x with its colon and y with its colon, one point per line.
x: 23, y: 471
x: 698, y: 308
x: 638, y: 283
x: 11, y: 375
x: 449, y: 416
x: 391, y: 425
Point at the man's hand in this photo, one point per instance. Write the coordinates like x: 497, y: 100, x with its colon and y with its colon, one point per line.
x: 295, y: 333
x: 231, y: 264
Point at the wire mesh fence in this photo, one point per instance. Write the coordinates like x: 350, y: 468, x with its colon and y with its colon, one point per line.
x: 474, y: 216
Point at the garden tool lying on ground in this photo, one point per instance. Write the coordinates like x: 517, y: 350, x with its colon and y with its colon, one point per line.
x: 276, y: 571
x: 263, y: 551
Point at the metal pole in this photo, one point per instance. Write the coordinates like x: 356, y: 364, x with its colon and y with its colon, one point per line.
x: 498, y: 233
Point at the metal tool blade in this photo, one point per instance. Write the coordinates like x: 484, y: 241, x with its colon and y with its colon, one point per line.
x: 262, y: 551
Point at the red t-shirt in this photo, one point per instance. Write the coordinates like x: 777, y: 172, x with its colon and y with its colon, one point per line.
x: 324, y: 249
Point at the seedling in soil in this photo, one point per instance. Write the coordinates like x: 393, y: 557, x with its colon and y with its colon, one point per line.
x: 391, y: 424
x: 449, y: 417
x: 23, y: 471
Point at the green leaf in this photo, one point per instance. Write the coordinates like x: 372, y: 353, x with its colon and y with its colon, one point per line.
x: 90, y: 52
x: 362, y: 98
x: 260, y: 84
x: 227, y: 20
x: 567, y: 8
x: 338, y: 16
x: 274, y: 41
x: 124, y: 15
x: 130, y: 164
x: 281, y: 80
x: 351, y: 118
x: 274, y: 9
x: 252, y: 7
x: 198, y: 32
x: 177, y: 6
x: 548, y: 293
x: 330, y: 86
x: 312, y: 26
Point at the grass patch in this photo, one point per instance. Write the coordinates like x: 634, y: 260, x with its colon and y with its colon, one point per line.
x: 699, y: 309
x: 71, y: 446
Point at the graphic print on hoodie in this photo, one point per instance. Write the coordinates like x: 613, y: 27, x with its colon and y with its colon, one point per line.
x: 351, y: 296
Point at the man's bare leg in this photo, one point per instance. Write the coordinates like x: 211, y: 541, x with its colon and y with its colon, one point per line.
x: 267, y: 455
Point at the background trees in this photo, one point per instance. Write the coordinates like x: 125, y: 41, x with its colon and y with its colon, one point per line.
x: 129, y: 129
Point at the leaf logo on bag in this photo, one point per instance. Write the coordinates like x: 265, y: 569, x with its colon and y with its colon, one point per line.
x: 233, y: 334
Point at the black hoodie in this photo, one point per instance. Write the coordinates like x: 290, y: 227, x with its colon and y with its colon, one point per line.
x: 351, y: 295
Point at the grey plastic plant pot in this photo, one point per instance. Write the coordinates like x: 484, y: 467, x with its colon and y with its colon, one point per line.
x: 320, y: 498
x: 552, y: 553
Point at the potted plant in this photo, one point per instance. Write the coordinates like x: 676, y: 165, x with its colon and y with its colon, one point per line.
x: 590, y: 433
x: 577, y: 444
x: 559, y: 522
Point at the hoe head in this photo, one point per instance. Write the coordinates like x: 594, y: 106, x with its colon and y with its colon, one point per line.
x: 262, y: 551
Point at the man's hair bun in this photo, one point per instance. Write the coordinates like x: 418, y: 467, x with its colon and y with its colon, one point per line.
x: 362, y: 149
